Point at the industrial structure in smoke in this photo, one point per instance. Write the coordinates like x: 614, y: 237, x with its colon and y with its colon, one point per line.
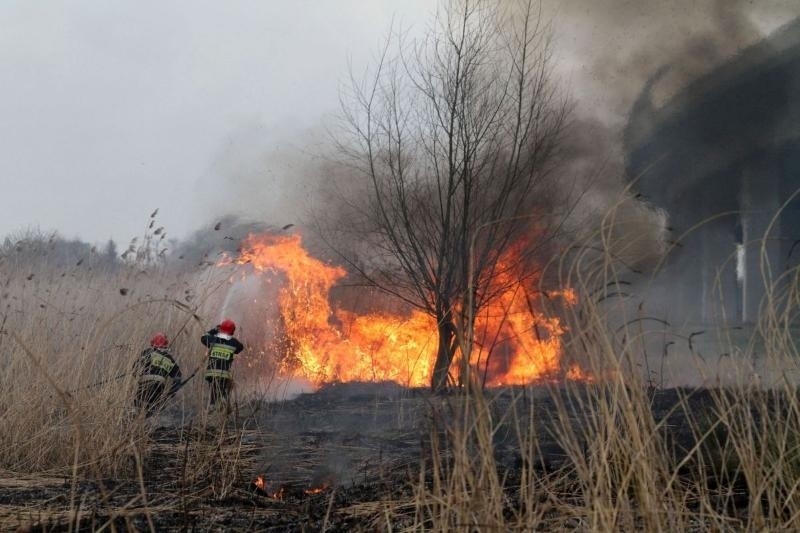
x: 722, y: 158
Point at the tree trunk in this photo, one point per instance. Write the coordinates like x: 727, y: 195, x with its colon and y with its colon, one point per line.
x: 445, y: 353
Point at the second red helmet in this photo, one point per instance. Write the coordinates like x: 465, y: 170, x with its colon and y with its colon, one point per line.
x: 227, y: 327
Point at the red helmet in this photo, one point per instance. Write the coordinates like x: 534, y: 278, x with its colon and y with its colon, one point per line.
x: 159, y: 340
x: 227, y: 326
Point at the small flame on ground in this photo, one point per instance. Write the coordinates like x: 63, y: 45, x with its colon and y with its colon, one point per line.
x: 261, y: 484
x: 316, y: 490
x: 576, y: 373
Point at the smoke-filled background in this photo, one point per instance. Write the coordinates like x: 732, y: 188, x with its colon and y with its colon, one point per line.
x: 113, y: 109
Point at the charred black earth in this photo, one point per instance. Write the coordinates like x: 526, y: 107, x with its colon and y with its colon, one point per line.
x: 340, y: 458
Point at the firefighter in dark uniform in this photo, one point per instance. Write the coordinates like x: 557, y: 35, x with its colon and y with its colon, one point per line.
x: 158, y: 374
x: 222, y: 347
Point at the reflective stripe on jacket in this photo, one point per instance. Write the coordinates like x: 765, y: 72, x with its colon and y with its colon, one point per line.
x: 221, y: 351
x: 162, y: 363
x: 218, y: 374
x: 156, y: 365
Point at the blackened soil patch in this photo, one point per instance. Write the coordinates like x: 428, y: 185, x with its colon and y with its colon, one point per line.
x: 344, y: 458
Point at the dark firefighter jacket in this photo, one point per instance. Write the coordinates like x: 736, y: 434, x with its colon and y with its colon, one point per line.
x: 155, y: 365
x: 221, y: 349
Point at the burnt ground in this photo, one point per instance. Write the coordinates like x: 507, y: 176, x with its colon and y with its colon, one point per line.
x: 338, y: 458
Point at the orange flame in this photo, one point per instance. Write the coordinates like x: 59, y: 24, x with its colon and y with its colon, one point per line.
x: 261, y: 484
x: 316, y: 490
x: 576, y: 373
x: 514, y: 344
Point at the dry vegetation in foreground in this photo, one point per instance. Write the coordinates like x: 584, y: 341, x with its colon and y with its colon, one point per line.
x: 619, y: 468
x: 624, y: 468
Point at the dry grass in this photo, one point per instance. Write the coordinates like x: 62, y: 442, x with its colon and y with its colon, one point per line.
x: 621, y: 472
x: 67, y: 330
x: 69, y: 339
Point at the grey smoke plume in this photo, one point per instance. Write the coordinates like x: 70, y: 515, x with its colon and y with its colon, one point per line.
x: 604, y: 54
x: 609, y: 49
x: 262, y: 175
x: 607, y: 53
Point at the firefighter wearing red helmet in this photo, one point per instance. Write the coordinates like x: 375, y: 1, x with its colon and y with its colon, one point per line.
x: 222, y: 347
x: 158, y: 374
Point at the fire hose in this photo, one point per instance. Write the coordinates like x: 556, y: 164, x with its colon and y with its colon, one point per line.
x: 175, y: 389
x: 179, y: 305
x: 180, y: 385
x: 98, y: 383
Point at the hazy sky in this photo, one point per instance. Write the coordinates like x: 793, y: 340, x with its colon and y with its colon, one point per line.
x: 109, y: 109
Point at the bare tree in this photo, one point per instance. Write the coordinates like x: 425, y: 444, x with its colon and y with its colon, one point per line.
x: 455, y: 136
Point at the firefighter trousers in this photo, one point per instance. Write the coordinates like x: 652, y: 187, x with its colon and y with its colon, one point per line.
x: 220, y: 388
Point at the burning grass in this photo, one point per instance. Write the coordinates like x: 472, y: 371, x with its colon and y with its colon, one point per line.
x: 515, y: 342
